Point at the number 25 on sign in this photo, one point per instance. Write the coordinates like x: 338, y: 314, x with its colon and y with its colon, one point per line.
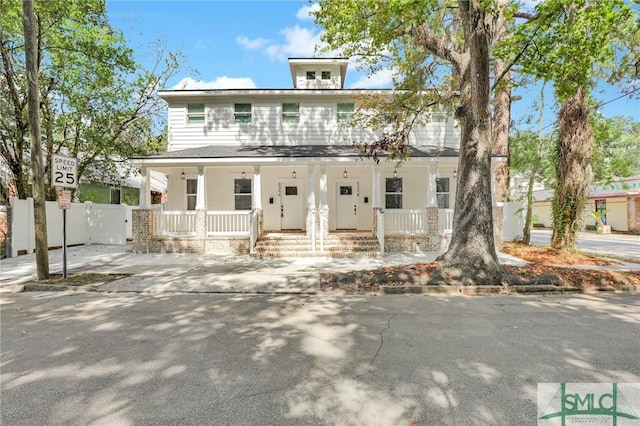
x: 64, y: 171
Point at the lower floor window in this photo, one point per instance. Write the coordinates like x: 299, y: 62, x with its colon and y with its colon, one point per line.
x: 192, y: 191
x: 393, y: 193
x: 442, y: 192
x: 242, y: 194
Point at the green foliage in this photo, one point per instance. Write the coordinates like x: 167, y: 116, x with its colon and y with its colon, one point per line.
x: 617, y: 148
x: 97, y: 103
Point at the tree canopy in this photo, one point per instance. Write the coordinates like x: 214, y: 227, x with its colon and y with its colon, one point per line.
x: 97, y: 102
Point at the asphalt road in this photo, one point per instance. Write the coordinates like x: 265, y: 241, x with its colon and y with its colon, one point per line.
x: 189, y: 359
x: 622, y: 245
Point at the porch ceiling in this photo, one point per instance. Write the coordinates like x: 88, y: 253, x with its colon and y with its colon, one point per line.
x: 261, y: 153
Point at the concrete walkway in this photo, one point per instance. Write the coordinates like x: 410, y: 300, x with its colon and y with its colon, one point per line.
x: 194, y: 273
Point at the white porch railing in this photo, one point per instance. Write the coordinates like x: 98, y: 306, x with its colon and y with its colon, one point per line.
x: 229, y: 222
x: 445, y: 220
x: 405, y: 221
x: 380, y: 229
x: 178, y: 223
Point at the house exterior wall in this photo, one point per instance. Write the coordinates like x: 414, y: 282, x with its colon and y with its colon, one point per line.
x: 318, y: 124
x: 617, y: 213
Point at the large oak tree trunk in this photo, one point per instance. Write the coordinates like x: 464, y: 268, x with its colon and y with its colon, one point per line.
x: 574, y: 150
x: 471, y: 257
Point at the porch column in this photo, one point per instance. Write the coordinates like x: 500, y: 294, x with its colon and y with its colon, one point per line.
x: 256, y: 194
x: 437, y: 239
x: 377, y: 199
x: 200, y: 190
x: 324, y: 207
x: 432, y: 199
x: 201, y: 210
x: 497, y: 212
x: 311, y: 205
x: 256, y: 191
x: 144, y: 188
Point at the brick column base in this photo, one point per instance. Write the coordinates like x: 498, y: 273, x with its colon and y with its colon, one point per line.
x: 312, y: 221
x: 633, y: 215
x: 142, y: 228
x: 498, y: 221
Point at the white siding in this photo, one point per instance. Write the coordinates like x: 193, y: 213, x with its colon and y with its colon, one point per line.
x: 318, y: 126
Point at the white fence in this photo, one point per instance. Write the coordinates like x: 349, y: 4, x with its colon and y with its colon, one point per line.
x: 87, y: 223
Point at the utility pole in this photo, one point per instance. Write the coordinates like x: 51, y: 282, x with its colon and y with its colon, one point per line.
x: 33, y: 97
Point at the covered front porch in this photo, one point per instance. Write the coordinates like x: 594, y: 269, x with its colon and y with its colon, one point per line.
x: 229, y: 203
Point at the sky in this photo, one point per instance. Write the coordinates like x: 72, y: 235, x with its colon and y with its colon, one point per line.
x: 246, y: 44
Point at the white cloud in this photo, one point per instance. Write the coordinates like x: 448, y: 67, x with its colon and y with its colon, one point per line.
x: 305, y: 13
x: 298, y: 42
x: 254, y: 44
x: 379, y: 80
x: 224, y: 82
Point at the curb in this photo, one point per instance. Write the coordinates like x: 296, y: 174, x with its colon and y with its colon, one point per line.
x: 491, y: 289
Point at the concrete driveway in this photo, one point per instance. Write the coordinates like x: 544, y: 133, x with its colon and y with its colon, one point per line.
x: 187, y: 359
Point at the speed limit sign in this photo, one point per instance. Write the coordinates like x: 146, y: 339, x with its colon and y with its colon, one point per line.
x: 64, y: 171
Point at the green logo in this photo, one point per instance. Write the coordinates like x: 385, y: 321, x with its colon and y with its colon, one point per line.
x: 588, y: 403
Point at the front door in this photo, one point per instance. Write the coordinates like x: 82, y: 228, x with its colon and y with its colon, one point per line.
x: 346, y: 206
x: 290, y: 206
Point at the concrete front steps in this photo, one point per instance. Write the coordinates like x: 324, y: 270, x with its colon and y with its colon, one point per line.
x: 339, y: 244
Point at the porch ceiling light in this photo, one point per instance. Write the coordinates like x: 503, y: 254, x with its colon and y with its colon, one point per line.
x: 244, y: 175
x: 182, y: 175
x: 293, y: 175
x: 345, y: 174
x: 455, y: 174
x: 395, y: 173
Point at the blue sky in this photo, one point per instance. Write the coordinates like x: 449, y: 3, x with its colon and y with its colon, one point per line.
x: 245, y: 44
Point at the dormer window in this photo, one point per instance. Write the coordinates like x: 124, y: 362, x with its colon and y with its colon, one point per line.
x: 311, y: 75
x: 326, y: 75
x: 195, y: 113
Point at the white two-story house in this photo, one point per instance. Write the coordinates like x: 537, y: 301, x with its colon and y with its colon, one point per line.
x: 274, y: 172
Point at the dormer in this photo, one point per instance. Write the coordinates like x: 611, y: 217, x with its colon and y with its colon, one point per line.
x: 318, y: 73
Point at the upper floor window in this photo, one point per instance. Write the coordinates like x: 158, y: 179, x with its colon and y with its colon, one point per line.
x: 442, y: 192
x: 290, y: 113
x: 345, y: 112
x: 393, y: 193
x: 195, y: 113
x: 311, y: 75
x: 242, y: 113
x: 242, y: 194
x: 192, y: 191
x: 326, y: 75
x: 438, y: 117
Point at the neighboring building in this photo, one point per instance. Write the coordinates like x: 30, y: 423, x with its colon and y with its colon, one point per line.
x: 620, y: 200
x: 246, y: 166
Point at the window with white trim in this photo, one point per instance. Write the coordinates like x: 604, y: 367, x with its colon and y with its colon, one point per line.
x: 393, y: 193
x: 242, y: 194
x: 442, y: 192
x: 290, y: 113
x: 242, y: 113
x: 195, y: 113
x: 311, y: 75
x: 192, y: 193
x: 326, y: 75
x: 345, y: 112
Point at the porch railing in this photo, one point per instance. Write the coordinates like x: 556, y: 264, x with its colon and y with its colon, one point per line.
x: 178, y: 223
x: 405, y: 221
x: 445, y: 220
x: 231, y: 222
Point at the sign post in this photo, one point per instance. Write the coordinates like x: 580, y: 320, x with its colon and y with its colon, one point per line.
x: 64, y: 174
